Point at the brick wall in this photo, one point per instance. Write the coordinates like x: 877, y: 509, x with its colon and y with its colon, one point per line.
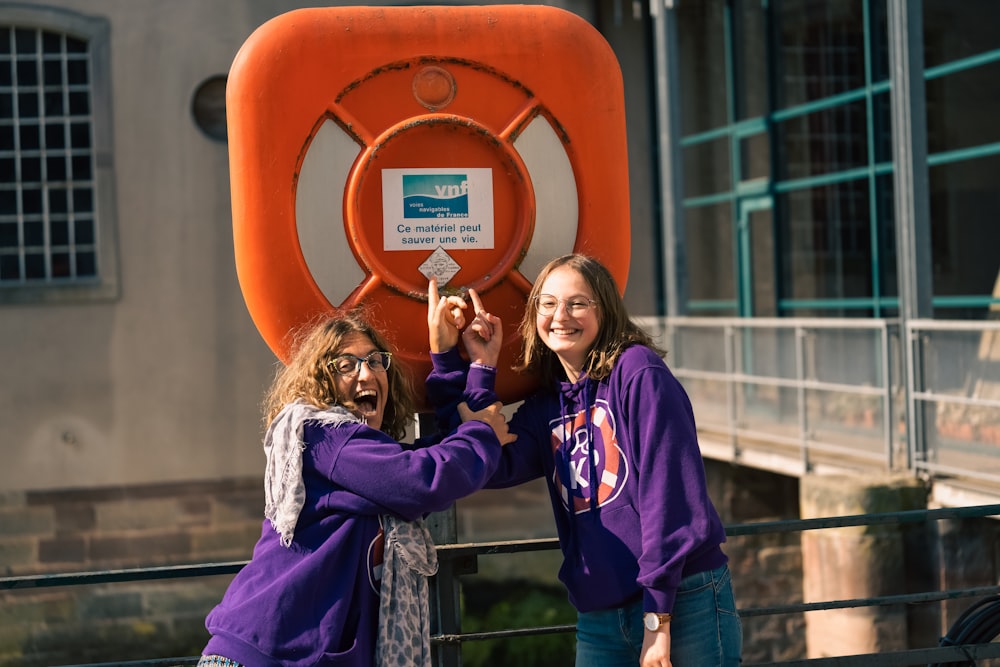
x: 123, y: 527
x: 766, y: 569
x: 111, y: 528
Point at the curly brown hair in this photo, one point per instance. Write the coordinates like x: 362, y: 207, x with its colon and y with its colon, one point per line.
x: 307, y: 376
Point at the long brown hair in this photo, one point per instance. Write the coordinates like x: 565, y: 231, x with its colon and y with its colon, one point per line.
x: 616, y: 330
x: 307, y: 376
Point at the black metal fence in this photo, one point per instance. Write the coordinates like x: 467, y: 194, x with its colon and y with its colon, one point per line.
x: 458, y: 560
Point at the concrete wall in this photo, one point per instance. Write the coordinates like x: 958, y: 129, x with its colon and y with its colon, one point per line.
x: 163, y: 382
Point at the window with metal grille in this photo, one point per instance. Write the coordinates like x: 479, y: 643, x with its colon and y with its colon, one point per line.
x: 51, y: 224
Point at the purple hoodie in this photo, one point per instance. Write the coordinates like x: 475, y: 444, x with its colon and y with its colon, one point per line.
x: 651, y: 522
x: 316, y: 602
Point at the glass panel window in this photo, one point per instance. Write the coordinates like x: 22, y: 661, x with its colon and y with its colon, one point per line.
x: 709, y: 252
x: 882, y: 130
x: 760, y: 227
x: 955, y: 30
x: 47, y: 151
x: 826, y: 141
x: 750, y: 37
x: 879, y: 41
x: 887, y: 258
x: 706, y: 168
x: 821, y: 49
x: 755, y: 157
x: 828, y: 255
x: 965, y: 246
x: 962, y: 109
x: 702, y: 57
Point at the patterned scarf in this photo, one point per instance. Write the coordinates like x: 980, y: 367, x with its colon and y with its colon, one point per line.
x: 284, y: 489
x: 404, y: 638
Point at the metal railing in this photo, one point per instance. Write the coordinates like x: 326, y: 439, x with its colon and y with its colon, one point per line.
x: 954, y: 398
x: 460, y: 559
x: 821, y: 390
x: 796, y: 395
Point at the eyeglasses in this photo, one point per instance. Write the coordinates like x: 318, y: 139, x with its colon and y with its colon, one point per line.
x: 577, y: 306
x: 348, y: 364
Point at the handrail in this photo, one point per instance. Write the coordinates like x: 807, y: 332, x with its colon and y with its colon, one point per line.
x: 765, y: 394
x: 453, y: 637
x: 455, y: 551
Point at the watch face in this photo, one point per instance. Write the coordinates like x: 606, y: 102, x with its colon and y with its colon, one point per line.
x: 652, y: 622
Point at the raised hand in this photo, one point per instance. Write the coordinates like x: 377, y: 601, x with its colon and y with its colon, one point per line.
x: 484, y: 335
x: 489, y: 415
x: 445, y: 318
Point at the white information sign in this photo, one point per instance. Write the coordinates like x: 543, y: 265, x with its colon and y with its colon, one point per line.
x: 431, y: 208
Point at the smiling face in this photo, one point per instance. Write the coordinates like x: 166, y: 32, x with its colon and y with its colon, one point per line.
x: 366, y: 391
x: 569, y: 335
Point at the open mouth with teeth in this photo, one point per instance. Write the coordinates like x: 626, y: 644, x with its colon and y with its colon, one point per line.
x: 366, y: 402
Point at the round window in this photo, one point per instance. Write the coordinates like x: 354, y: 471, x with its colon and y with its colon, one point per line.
x: 208, y: 106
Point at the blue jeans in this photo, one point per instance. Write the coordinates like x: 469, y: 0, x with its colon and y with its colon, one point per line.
x: 705, y: 630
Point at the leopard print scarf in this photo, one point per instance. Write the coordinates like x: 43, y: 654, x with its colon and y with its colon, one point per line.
x: 404, y: 619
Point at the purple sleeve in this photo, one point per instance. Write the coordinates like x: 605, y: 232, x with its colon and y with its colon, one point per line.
x: 521, y: 461
x: 446, y: 380
x: 452, y: 381
x: 676, y: 515
x: 411, y: 483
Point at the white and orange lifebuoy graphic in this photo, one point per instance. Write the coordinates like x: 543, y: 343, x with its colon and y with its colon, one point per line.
x: 510, y: 118
x: 376, y: 558
x: 595, y: 436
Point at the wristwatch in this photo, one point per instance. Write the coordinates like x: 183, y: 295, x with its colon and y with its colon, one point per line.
x: 654, y: 621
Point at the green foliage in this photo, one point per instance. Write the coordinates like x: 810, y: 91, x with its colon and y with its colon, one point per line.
x: 517, y: 605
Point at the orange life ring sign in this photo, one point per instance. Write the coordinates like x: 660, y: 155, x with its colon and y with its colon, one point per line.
x: 373, y: 147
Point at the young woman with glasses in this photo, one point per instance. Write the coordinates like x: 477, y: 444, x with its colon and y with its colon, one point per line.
x: 342, y: 497
x: 612, y: 432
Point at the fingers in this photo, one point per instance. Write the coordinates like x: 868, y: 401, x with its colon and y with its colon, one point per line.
x: 432, y: 292
x: 492, y: 416
x: 445, y: 317
x: 484, y: 330
x: 456, y: 310
x: 480, y: 326
x: 483, y: 323
x: 499, y: 423
x: 447, y: 320
x: 487, y: 413
x: 451, y: 310
x: 477, y: 302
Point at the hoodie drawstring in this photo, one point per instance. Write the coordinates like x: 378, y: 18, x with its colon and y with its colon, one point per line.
x: 594, y: 483
x: 591, y: 460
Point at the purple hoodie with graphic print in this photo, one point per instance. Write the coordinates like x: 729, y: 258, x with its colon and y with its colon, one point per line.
x: 625, y: 477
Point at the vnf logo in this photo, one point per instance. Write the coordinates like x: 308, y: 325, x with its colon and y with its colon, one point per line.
x: 435, y: 196
x: 572, y: 464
